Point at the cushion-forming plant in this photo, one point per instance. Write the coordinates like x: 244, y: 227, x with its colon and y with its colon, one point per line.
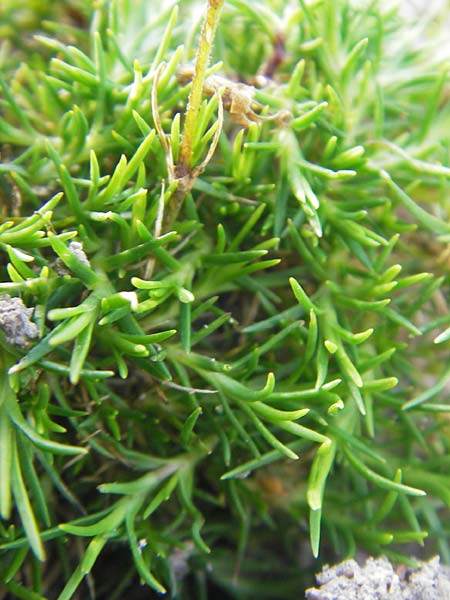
x: 223, y: 303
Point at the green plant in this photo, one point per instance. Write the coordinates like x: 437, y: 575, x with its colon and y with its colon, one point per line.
x: 238, y: 351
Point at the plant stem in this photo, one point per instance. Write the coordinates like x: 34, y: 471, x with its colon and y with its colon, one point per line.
x: 195, y: 96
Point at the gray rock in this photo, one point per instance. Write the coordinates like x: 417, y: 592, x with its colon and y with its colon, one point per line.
x: 430, y: 582
x: 377, y: 579
x: 77, y: 249
x: 179, y: 561
x: 15, y: 320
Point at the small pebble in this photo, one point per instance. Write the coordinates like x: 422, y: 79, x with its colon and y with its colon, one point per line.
x: 15, y: 320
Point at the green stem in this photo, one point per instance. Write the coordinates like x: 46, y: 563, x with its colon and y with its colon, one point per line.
x: 195, y: 96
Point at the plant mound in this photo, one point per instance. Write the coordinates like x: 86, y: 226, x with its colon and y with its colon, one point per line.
x: 223, y: 301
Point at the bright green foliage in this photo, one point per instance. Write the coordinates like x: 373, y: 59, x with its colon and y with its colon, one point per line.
x: 229, y: 371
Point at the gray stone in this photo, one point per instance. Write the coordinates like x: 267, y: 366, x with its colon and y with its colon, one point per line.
x: 15, y: 320
x: 377, y: 579
x: 77, y: 249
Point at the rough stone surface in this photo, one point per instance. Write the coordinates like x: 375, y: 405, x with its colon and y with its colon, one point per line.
x: 15, y: 321
x: 179, y: 561
x: 77, y: 249
x: 378, y: 579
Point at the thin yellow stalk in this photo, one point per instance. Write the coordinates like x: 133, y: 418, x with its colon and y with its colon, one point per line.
x: 195, y: 96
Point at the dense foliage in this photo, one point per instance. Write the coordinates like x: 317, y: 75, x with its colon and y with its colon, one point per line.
x: 236, y: 361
